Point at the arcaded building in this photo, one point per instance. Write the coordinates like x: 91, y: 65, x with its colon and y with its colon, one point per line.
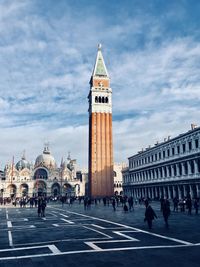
x: 43, y: 177
x: 168, y: 169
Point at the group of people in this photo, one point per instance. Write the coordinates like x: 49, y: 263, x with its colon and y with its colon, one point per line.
x: 186, y: 203
x: 150, y: 214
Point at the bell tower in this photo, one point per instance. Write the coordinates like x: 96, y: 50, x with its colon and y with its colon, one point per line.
x: 101, y: 181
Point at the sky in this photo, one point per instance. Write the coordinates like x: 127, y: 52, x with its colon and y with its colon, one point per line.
x: 47, y: 54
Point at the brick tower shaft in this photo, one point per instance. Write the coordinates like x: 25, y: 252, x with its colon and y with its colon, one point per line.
x: 101, y: 181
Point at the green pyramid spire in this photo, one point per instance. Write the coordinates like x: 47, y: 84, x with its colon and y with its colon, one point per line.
x: 100, y: 67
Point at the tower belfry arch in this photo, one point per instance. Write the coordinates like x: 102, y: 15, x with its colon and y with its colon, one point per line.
x: 100, y: 131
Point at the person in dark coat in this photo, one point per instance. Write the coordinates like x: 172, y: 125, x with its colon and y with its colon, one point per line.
x: 43, y: 207
x: 39, y: 210
x: 150, y: 214
x: 166, y: 211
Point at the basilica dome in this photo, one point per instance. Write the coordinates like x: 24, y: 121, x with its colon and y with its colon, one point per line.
x: 22, y: 164
x: 45, y: 159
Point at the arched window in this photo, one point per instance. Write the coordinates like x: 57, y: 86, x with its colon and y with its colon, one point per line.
x: 106, y: 100
x: 99, y: 99
x: 103, y: 100
x: 41, y: 174
x: 96, y: 99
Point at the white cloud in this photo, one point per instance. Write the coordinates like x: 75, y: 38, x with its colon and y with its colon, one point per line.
x: 45, y: 66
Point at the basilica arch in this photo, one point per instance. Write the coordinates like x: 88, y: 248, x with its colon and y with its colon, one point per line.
x: 41, y: 173
x: 55, y: 189
x: 24, y: 189
x: 68, y: 190
x: 40, y: 188
x: 12, y: 190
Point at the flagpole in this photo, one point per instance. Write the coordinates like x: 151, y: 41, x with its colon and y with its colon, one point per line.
x: 61, y: 177
x: 12, y: 175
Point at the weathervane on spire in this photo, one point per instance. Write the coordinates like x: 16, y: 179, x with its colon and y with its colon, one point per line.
x: 46, y: 147
x: 24, y: 154
x: 99, y: 46
x: 69, y: 157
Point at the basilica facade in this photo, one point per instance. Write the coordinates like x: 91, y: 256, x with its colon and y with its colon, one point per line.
x: 43, y: 177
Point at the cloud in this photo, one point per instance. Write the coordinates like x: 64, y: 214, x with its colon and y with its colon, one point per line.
x: 47, y: 56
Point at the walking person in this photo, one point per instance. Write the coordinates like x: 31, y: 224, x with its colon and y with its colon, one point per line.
x: 189, y: 205
x: 150, y: 214
x: 166, y: 211
x: 39, y: 206
x: 114, y: 204
x: 43, y: 207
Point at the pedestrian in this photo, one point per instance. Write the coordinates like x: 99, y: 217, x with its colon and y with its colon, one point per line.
x: 150, y: 214
x: 39, y: 206
x: 125, y: 207
x: 166, y: 211
x: 114, y: 204
x: 189, y: 205
x: 43, y: 207
x: 130, y: 203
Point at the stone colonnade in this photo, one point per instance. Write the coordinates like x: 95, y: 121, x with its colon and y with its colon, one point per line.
x: 164, y: 190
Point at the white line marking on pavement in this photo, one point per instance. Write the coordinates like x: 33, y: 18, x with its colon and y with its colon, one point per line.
x: 9, y: 224
x: 92, y: 251
x: 32, y: 226
x: 133, y: 228
x: 98, y: 226
x: 64, y: 215
x: 25, y: 219
x: 10, y: 239
x: 54, y: 249
x: 58, y: 240
x: 44, y: 219
x: 92, y: 245
x: 67, y: 221
x: 23, y: 248
x: 55, y: 224
x: 97, y: 231
x: 126, y: 236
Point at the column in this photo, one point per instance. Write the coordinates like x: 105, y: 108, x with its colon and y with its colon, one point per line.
x: 179, y: 192
x: 151, y: 171
x: 177, y: 170
x: 183, y: 168
x: 184, y: 190
x: 189, y: 168
x: 160, y: 192
x: 191, y: 191
x: 146, y: 194
x: 163, y: 172
x: 195, y: 166
x: 167, y: 168
x: 197, y: 189
x: 159, y: 173
x: 174, y: 191
x: 172, y: 170
x: 169, y: 192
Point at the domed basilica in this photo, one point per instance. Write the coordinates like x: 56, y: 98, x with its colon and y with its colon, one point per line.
x: 42, y: 178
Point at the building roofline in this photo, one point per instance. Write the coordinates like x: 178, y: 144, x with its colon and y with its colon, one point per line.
x: 165, y: 142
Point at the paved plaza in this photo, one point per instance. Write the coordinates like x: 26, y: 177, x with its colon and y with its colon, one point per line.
x: 73, y: 236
